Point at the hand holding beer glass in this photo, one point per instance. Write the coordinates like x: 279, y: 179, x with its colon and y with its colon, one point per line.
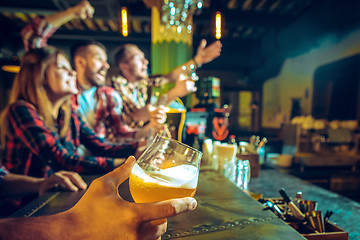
x: 167, y: 169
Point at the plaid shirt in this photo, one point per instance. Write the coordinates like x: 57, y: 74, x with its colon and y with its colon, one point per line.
x: 36, y: 34
x: 33, y: 149
x: 135, y: 96
x: 101, y: 109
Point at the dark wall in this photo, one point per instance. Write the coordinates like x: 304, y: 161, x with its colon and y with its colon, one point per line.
x: 325, y: 17
x: 336, y: 90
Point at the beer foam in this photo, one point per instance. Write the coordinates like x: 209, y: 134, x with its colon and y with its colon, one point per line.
x: 181, y: 176
x: 184, y: 176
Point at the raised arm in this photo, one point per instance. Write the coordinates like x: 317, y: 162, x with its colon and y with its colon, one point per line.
x: 203, y: 55
x: 83, y: 10
x: 36, y: 34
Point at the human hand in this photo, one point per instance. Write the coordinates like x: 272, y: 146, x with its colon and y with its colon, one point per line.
x: 183, y: 86
x: 157, y: 115
x: 83, y: 10
x: 102, y: 214
x: 207, y: 54
x: 66, y: 180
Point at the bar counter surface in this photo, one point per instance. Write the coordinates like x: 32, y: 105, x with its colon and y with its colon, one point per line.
x: 346, y: 211
x: 224, y: 212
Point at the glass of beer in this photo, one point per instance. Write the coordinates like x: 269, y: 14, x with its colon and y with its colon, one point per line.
x: 167, y: 169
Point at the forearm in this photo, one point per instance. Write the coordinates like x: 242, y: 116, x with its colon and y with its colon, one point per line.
x: 60, y: 18
x: 172, y: 95
x: 82, y: 10
x: 46, y: 227
x: 64, y: 225
x: 14, y: 185
x: 189, y: 67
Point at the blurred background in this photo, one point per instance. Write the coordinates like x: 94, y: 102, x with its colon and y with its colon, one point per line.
x: 288, y: 71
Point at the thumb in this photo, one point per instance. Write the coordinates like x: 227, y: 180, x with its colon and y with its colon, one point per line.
x: 120, y: 174
x: 202, y: 44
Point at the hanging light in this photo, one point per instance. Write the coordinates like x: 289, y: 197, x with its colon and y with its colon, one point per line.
x: 179, y: 13
x: 11, y: 68
x: 11, y: 65
x: 218, y: 25
x: 124, y: 22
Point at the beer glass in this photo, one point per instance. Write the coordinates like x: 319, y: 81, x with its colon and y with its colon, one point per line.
x: 167, y: 169
x: 225, y: 153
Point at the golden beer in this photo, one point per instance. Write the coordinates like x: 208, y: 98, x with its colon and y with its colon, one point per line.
x: 163, y: 184
x: 225, y: 153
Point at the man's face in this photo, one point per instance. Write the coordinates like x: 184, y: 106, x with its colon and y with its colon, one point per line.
x: 97, y: 65
x: 136, y: 63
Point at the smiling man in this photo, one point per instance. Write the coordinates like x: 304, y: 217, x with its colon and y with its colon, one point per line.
x: 133, y: 82
x: 100, y: 106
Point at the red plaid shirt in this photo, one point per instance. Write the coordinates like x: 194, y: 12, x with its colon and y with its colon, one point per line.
x: 36, y: 34
x: 31, y: 148
x: 102, y: 111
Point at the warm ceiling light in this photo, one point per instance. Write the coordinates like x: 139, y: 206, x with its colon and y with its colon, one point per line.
x: 124, y: 22
x: 11, y: 68
x: 218, y: 25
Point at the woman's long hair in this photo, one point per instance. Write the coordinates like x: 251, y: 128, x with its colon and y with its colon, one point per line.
x: 29, y: 86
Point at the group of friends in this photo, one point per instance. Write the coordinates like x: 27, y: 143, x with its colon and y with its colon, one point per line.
x: 62, y: 121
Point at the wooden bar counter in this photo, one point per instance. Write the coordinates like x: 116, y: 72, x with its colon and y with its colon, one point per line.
x: 224, y: 212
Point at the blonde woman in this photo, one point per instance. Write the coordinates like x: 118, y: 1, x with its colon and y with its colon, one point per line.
x: 39, y: 133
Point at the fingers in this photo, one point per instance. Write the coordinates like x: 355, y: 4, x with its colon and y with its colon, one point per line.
x: 120, y: 174
x: 202, y: 44
x: 190, y: 86
x: 166, y: 131
x: 84, y: 10
x: 158, y: 116
x: 90, y: 10
x: 169, y: 208
x: 67, y: 184
x: 76, y: 179
x: 64, y: 180
x: 152, y: 230
x: 157, y: 110
x: 214, y: 48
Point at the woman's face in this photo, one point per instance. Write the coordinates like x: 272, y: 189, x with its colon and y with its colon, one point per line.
x: 60, y: 79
